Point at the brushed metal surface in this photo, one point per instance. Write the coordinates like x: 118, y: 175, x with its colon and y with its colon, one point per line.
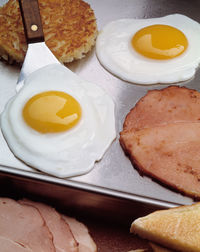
x: 114, y: 174
x: 38, y: 55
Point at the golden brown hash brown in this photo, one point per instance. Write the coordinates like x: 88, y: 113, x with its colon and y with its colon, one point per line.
x: 69, y: 28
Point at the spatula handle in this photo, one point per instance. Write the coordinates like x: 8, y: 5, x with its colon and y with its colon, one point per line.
x: 31, y: 20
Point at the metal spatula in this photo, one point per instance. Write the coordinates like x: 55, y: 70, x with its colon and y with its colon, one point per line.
x: 38, y: 54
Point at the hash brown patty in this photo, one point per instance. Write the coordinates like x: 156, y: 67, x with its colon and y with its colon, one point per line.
x: 69, y: 27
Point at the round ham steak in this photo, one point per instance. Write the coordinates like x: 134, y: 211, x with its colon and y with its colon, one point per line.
x: 161, y: 135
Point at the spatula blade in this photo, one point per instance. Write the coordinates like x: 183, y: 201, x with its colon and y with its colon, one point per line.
x: 38, y: 55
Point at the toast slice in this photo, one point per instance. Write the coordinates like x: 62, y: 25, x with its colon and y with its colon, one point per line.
x: 177, y: 228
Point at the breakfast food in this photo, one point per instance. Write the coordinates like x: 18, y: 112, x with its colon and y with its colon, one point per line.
x: 157, y: 248
x: 81, y: 234
x: 176, y: 228
x: 154, y: 247
x: 69, y: 27
x: 161, y: 135
x: 148, y: 51
x: 23, y: 234
x: 27, y: 225
x: 63, y: 238
x: 59, y: 123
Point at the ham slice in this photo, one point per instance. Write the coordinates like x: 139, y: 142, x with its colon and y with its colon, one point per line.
x: 81, y: 234
x: 63, y: 238
x: 161, y: 135
x: 169, y: 105
x: 8, y: 245
x: 22, y: 229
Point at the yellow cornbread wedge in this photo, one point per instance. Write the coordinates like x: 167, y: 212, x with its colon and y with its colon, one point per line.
x: 177, y: 228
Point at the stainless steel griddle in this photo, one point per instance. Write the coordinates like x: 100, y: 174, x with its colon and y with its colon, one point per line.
x: 114, y: 176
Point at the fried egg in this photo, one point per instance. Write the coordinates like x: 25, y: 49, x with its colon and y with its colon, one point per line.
x: 59, y: 123
x: 149, y: 51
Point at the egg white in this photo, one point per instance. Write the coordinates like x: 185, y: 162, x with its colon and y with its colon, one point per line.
x: 116, y: 54
x: 67, y: 153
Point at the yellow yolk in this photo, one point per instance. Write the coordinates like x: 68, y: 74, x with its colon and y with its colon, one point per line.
x: 159, y: 42
x: 52, y: 111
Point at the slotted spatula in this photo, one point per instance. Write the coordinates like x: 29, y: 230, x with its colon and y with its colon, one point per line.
x: 38, y: 54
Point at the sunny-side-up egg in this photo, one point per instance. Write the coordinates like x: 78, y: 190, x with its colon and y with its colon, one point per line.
x: 59, y: 123
x: 149, y: 51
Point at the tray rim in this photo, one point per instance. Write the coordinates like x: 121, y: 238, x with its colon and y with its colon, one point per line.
x: 85, y: 187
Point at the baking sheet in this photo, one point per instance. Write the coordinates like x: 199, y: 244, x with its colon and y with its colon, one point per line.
x: 114, y: 174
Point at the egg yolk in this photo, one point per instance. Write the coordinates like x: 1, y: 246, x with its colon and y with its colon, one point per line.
x: 159, y: 42
x: 51, y: 112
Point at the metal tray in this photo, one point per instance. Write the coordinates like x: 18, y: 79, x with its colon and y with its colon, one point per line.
x: 113, y: 181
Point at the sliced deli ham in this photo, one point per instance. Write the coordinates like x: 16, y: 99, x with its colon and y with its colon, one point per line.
x: 28, y: 226
x: 63, y: 239
x: 161, y: 135
x: 22, y: 229
x: 81, y: 234
x: 8, y: 245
